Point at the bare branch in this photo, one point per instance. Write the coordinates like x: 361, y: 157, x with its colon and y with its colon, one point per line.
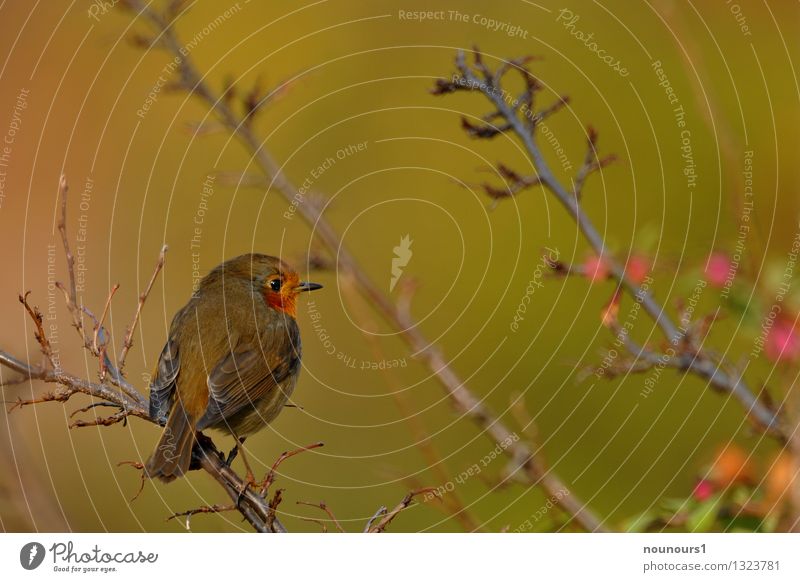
x: 120, y: 416
x: 60, y: 394
x: 128, y: 342
x: 71, y: 385
x: 99, y: 324
x: 39, y: 334
x: 327, y: 510
x: 381, y: 512
x: 272, y: 516
x: 591, y: 163
x: 515, y: 183
x: 389, y: 517
x: 143, y: 477
x: 203, y: 509
x: 539, y: 116
x: 519, y: 64
x: 700, y: 364
x: 269, y: 478
x: 93, y: 406
x: 255, y: 509
x: 71, y: 294
x: 485, y: 131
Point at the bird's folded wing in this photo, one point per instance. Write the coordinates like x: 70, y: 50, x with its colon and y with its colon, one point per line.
x: 245, y: 376
x: 162, y: 386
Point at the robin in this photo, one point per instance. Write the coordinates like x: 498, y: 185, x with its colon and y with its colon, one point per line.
x: 231, y: 360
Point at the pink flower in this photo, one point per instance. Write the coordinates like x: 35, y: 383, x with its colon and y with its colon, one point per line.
x: 717, y: 268
x: 637, y: 269
x: 595, y: 268
x: 783, y: 342
x: 703, y: 490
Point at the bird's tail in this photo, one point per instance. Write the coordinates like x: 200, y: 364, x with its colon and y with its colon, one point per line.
x: 173, y: 453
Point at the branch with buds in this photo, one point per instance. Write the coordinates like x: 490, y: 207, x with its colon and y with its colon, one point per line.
x: 520, y: 118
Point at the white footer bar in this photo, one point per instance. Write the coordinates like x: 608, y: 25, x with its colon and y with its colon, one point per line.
x: 389, y: 557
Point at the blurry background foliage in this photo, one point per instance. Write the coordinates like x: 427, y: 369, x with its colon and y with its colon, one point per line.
x: 365, y: 75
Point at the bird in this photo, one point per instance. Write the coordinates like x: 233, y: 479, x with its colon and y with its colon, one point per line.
x: 231, y: 359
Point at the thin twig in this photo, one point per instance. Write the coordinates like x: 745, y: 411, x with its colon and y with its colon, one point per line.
x: 272, y: 515
x: 77, y: 311
x: 128, y: 342
x: 203, y: 509
x: 323, y: 506
x: 92, y: 406
x: 71, y: 293
x: 99, y: 324
x: 60, y: 394
x: 591, y: 163
x: 381, y: 512
x: 120, y: 416
x: 562, y: 102
x: 39, y: 334
x: 142, y: 476
x: 269, y: 478
x: 404, y: 504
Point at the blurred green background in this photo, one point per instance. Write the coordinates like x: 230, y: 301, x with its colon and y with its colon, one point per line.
x: 363, y: 75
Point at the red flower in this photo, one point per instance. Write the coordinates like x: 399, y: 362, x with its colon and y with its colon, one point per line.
x: 703, y: 490
x: 637, y: 269
x: 717, y: 269
x: 783, y: 342
x: 595, y: 268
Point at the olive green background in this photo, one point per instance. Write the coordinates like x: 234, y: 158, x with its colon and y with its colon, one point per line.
x: 363, y: 75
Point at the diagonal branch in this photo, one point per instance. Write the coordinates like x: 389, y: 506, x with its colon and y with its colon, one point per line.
x: 464, y: 400
x: 700, y: 364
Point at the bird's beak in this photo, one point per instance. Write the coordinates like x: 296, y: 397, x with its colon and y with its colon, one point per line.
x: 306, y: 286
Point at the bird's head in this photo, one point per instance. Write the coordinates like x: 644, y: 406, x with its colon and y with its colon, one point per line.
x: 271, y: 277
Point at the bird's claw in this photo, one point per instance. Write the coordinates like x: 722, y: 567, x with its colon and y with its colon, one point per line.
x: 234, y: 452
x: 249, y: 481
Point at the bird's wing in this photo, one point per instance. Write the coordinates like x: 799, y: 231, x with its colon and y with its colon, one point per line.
x: 249, y: 373
x: 162, y: 386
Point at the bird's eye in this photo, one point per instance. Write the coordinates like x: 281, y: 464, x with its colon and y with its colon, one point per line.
x: 275, y: 284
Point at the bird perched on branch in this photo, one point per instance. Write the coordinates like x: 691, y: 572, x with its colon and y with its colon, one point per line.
x: 231, y: 360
